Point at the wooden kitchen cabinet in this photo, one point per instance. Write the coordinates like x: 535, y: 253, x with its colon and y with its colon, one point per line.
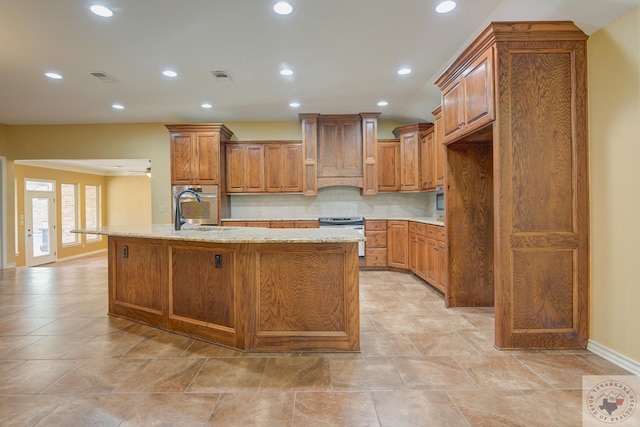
x: 436, y: 267
x: 397, y: 244
x: 245, y: 168
x: 376, y: 245
x: 195, y: 153
x: 388, y: 167
x: 439, y: 146
x: 409, y: 137
x: 283, y: 167
x: 418, y: 249
x: 427, y: 161
x: 339, y: 146
x: 306, y: 223
x: 467, y: 101
x: 517, y: 205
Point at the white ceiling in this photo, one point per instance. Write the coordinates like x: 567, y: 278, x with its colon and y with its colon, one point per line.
x: 345, y: 54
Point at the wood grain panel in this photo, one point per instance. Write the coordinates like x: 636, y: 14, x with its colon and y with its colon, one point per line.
x: 181, y: 158
x: 469, y: 217
x: 208, y: 157
x: 388, y: 165
x: 301, y: 292
x: 309, y: 154
x: 541, y: 298
x: 328, y: 148
x: 139, y: 277
x: 376, y: 239
x: 541, y: 92
x: 200, y: 291
x: 398, y: 244
x: 352, y: 148
x: 369, y: 153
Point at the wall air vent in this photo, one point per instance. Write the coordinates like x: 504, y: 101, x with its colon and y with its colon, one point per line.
x: 221, y: 75
x: 103, y: 77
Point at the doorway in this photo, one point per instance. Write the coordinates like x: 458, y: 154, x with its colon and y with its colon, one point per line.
x: 40, y: 222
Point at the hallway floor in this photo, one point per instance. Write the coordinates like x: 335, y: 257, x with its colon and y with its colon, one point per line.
x: 64, y: 362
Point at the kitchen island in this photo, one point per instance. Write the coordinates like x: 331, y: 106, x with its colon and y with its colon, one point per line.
x: 254, y: 289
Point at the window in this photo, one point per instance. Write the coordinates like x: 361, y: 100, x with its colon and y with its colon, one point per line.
x: 33, y: 185
x: 69, y: 196
x: 92, y: 210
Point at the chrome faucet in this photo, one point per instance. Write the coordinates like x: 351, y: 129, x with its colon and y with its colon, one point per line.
x: 179, y: 219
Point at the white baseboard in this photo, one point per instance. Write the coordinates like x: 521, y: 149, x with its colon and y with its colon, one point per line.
x: 8, y: 266
x: 614, y: 357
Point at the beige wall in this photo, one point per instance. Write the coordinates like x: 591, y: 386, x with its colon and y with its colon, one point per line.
x: 614, y: 127
x: 3, y: 140
x: 60, y: 177
x: 129, y: 200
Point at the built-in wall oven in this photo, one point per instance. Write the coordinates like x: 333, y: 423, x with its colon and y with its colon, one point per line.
x: 194, y: 212
x: 440, y: 201
x: 355, y: 223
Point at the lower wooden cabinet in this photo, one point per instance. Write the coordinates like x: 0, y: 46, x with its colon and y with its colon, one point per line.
x: 397, y: 244
x: 376, y: 246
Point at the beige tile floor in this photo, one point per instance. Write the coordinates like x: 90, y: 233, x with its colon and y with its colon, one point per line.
x: 64, y: 362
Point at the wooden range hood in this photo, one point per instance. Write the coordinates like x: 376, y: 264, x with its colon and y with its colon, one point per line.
x: 339, y: 150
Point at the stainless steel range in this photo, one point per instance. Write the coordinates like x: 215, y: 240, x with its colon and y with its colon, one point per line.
x: 354, y: 222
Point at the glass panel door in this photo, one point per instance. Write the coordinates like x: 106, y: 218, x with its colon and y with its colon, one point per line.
x: 40, y: 229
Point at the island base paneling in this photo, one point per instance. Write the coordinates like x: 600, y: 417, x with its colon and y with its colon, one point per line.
x: 250, y: 296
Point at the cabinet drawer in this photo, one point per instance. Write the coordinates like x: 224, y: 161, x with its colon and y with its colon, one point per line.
x: 283, y: 224
x: 418, y: 228
x: 441, y: 234
x: 375, y: 225
x: 264, y: 224
x: 306, y: 224
x: 432, y: 232
x: 376, y: 239
x: 376, y: 257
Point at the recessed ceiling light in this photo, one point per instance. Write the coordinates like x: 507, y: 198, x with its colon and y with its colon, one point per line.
x: 169, y: 73
x: 286, y: 72
x: 206, y: 105
x: 117, y: 106
x: 404, y: 71
x: 282, y: 8
x: 100, y: 10
x: 382, y: 103
x: 294, y: 104
x: 53, y: 75
x: 445, y: 6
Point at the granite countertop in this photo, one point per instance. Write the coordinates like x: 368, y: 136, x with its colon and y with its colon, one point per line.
x: 205, y: 233
x: 423, y: 219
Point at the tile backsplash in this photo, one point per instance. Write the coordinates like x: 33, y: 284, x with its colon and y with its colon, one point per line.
x: 333, y: 201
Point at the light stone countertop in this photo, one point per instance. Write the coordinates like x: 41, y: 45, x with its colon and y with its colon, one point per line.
x: 205, y: 233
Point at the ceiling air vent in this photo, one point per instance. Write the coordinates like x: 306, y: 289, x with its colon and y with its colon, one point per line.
x: 103, y: 77
x: 221, y: 75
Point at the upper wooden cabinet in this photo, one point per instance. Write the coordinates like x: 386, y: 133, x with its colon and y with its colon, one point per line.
x: 195, y: 153
x: 283, y: 167
x: 245, y: 168
x: 388, y: 167
x: 264, y: 166
x: 439, y: 146
x: 427, y: 161
x: 409, y: 137
x: 339, y: 149
x: 467, y: 99
x: 517, y: 199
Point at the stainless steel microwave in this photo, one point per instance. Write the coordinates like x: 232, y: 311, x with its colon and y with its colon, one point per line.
x: 194, y: 212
